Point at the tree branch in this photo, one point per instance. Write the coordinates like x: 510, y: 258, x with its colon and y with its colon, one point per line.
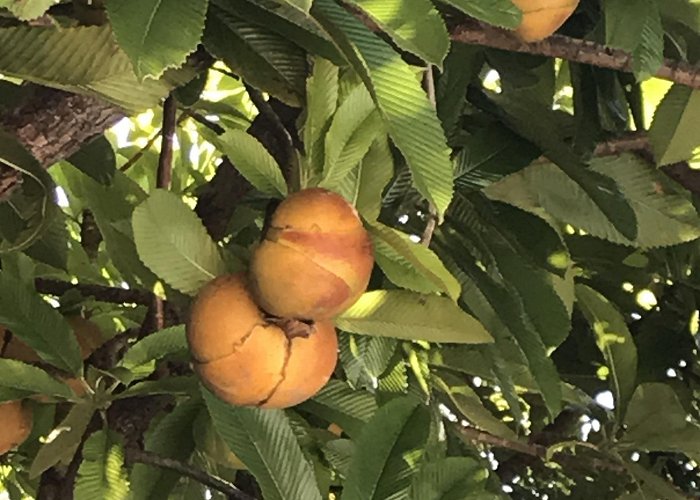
x: 214, y: 482
x: 572, y: 49
x: 165, y: 160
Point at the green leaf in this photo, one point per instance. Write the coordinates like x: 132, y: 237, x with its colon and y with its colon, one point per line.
x: 497, y: 12
x: 339, y: 453
x: 64, y: 445
x: 471, y: 407
x: 18, y: 375
x: 650, y: 485
x: 411, y: 265
x: 303, y: 5
x: 96, y: 159
x: 265, y: 443
x: 449, y: 478
x: 409, y: 116
x: 412, y: 316
x: 388, y: 451
x: 338, y: 403
x: 145, y: 30
x: 414, y: 25
x: 321, y: 103
x: 603, y: 191
x: 38, y: 324
x: 51, y: 247
x: 657, y: 421
x: 641, y: 34
x: 263, y: 58
x: 83, y: 58
x: 614, y: 341
x: 253, y: 161
x: 173, y: 243
x: 670, y: 133
x: 26, y: 10
x: 102, y: 473
x: 350, y: 135
x: 664, y: 212
x: 169, y: 437
x: 364, y: 185
x: 156, y: 346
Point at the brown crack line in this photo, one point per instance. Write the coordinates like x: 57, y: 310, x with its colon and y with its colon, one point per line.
x: 235, y: 346
x: 283, y: 374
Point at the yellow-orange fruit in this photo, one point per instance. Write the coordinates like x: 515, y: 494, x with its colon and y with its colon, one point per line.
x: 315, y: 260
x: 541, y: 18
x: 16, y: 425
x: 87, y: 333
x: 247, y: 360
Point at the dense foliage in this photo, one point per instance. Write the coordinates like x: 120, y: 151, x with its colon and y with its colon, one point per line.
x: 530, y: 328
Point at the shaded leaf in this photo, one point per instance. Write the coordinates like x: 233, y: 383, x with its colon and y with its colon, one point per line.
x: 102, y: 473
x: 671, y: 133
x: 30, y: 379
x: 497, y: 12
x: 96, y: 159
x: 449, y: 478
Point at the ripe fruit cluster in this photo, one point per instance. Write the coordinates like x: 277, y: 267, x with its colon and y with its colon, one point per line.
x: 267, y: 338
x: 541, y: 18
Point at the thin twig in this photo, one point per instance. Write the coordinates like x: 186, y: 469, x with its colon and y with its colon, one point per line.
x: 131, y: 161
x: 571, y: 49
x: 431, y: 224
x: 286, y: 139
x: 165, y: 159
x: 214, y: 127
x: 210, y: 480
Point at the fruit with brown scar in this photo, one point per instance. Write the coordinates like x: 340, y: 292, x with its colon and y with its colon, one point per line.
x: 315, y: 260
x: 247, y: 358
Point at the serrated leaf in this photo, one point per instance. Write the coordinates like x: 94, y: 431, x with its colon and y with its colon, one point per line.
x: 102, y: 473
x: 265, y: 443
x: 96, y: 159
x: 409, y: 116
x: 253, y: 161
x: 83, y: 58
x: 449, y: 478
x: 664, y: 212
x: 411, y: 265
x: 412, y: 316
x: 38, y: 324
x: 363, y: 186
x: 182, y: 385
x: 670, y: 134
x: 169, y: 437
x: 27, y: 10
x: 614, y: 341
x: 144, y: 30
x: 339, y: 453
x: 387, y: 452
x: 365, y: 359
x: 64, y: 445
x: 352, y: 131
x: 321, y: 104
x: 30, y: 379
x: 497, y: 12
x: 173, y: 243
x: 155, y: 346
x: 657, y: 421
x: 338, y: 403
x: 263, y: 58
x: 642, y: 34
x: 414, y: 25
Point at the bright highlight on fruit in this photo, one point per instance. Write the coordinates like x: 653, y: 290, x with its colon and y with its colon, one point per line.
x: 541, y: 18
x: 246, y: 358
x: 316, y: 258
x: 16, y: 425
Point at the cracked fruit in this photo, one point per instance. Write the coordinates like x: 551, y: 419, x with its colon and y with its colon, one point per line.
x: 315, y: 260
x: 16, y: 421
x: 541, y: 18
x: 248, y: 359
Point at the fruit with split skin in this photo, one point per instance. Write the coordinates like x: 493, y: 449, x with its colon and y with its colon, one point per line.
x: 315, y: 260
x: 541, y: 18
x: 247, y: 358
x: 16, y: 426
